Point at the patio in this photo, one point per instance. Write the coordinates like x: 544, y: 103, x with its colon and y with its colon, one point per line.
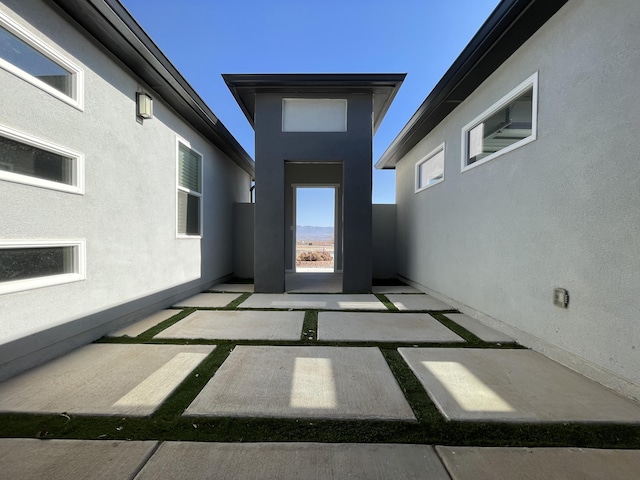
x: 231, y: 384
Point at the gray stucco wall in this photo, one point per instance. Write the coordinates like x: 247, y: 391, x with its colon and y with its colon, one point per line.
x: 135, y: 263
x: 563, y: 211
x: 243, y: 240
x: 384, y: 241
x: 274, y: 148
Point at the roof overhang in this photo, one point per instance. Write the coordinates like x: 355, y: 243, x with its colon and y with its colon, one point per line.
x: 511, y: 24
x: 383, y: 86
x: 113, y: 26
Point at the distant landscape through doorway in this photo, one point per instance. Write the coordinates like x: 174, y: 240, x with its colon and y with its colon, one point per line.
x: 315, y: 229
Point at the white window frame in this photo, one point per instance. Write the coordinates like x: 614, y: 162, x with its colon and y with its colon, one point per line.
x: 78, y: 163
x: 188, y: 191
x: 531, y: 82
x: 423, y: 161
x: 76, y: 100
x: 80, y: 264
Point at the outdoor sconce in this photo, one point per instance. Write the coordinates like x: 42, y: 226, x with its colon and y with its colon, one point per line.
x: 144, y: 105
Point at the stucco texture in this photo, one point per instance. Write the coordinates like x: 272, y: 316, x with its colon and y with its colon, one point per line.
x: 561, y: 211
x: 128, y: 212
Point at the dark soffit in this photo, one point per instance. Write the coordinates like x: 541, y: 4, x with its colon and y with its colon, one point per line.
x: 511, y: 24
x: 383, y: 86
x: 112, y: 25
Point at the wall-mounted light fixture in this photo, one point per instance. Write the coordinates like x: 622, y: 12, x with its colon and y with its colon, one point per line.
x: 144, y: 105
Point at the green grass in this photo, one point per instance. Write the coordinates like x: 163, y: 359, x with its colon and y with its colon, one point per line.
x: 310, y: 325
x: 167, y: 423
x: 169, y: 426
x: 387, y: 303
x: 233, y: 305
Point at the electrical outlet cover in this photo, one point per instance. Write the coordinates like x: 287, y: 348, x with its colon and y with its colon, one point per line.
x: 561, y: 298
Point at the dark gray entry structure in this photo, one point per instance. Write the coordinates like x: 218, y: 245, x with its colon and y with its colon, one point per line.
x: 314, y: 129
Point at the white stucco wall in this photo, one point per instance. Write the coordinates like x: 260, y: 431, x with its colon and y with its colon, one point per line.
x: 562, y: 211
x: 127, y: 214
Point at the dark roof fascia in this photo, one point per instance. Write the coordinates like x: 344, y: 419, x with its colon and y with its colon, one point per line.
x: 248, y: 85
x: 509, y: 26
x: 109, y: 22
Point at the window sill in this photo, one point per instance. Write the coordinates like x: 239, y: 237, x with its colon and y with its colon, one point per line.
x: 428, y: 186
x: 504, y: 151
x: 38, y: 182
x: 32, y: 283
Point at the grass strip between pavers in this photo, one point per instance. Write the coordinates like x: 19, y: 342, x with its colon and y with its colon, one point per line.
x: 228, y: 429
x: 310, y: 325
x: 182, y: 397
x: 234, y: 304
x: 386, y: 302
x: 167, y: 423
x: 422, y: 406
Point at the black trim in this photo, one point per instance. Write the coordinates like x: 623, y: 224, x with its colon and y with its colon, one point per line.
x: 511, y: 24
x: 244, y: 87
x: 112, y: 25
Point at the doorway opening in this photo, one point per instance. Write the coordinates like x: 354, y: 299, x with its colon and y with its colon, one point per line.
x: 315, y: 222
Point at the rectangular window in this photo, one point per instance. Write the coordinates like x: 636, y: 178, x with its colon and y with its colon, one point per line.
x: 314, y: 115
x: 508, y: 124
x: 430, y: 170
x: 32, y: 264
x: 189, y: 202
x: 29, y: 58
x: 26, y: 159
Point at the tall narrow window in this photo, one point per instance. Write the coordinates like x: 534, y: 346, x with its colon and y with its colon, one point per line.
x: 29, y: 58
x: 430, y: 170
x: 505, y: 126
x: 189, y: 191
x: 26, y: 159
x: 27, y: 265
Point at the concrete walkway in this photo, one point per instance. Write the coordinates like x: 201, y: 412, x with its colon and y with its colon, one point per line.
x: 400, y: 384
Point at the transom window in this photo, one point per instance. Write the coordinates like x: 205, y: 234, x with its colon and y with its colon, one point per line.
x: 505, y: 126
x: 29, y: 58
x: 26, y: 265
x: 430, y: 170
x: 189, y: 191
x: 314, y: 115
x: 26, y: 159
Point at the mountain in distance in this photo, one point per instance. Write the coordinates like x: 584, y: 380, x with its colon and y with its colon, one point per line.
x: 319, y: 234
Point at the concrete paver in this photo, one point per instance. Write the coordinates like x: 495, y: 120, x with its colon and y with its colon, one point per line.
x: 31, y: 459
x: 237, y: 325
x: 417, y: 302
x: 479, y: 329
x: 513, y: 385
x: 293, y: 461
x: 103, y: 379
x: 303, y: 382
x: 319, y: 301
x: 314, y: 383
x: 383, y: 327
x: 475, y: 463
x: 395, y: 289
x: 313, y: 281
x: 233, y: 287
x: 211, y: 300
x: 145, y: 324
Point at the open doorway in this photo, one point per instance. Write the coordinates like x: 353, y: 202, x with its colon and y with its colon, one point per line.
x: 315, y: 222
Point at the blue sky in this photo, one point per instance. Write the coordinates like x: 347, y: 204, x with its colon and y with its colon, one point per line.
x: 315, y: 207
x: 206, y: 38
